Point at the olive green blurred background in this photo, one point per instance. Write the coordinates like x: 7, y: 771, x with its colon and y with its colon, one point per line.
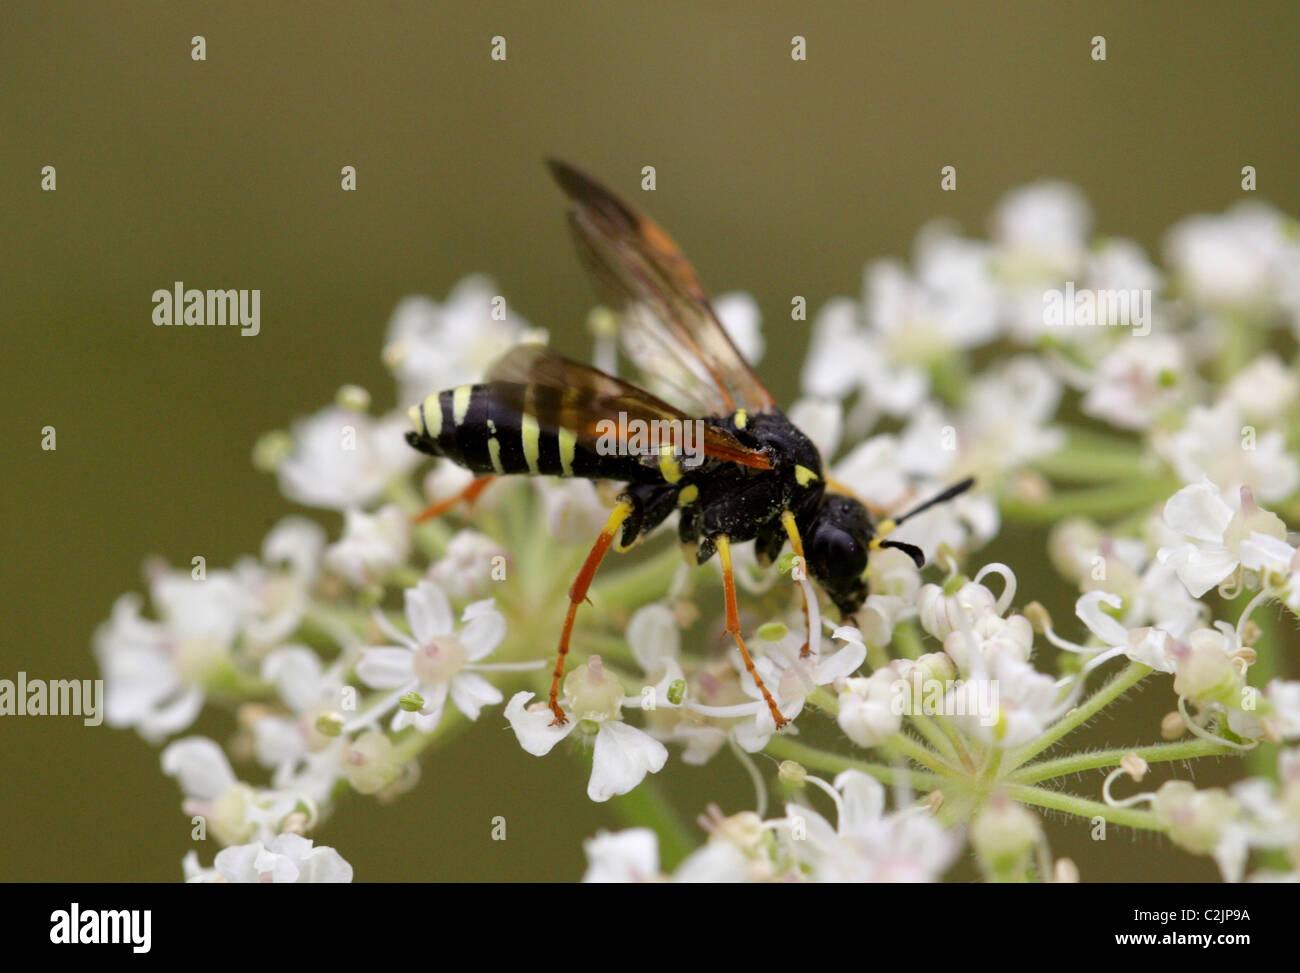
x: 779, y: 178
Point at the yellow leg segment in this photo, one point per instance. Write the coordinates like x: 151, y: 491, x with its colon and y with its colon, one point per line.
x: 733, y: 626
x: 796, y: 544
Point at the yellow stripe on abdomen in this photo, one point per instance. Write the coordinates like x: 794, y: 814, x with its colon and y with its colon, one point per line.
x: 568, y: 446
x: 530, y: 435
x: 460, y: 403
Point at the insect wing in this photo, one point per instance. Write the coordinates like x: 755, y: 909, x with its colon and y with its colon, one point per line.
x: 670, y: 330
x: 563, y: 394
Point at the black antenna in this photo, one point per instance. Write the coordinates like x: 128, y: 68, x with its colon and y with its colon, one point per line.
x: 956, y: 490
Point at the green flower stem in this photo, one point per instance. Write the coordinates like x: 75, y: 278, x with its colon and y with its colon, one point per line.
x: 907, y: 640
x: 1090, y: 457
x: 1080, y: 465
x: 233, y: 685
x: 989, y: 772
x: 1119, y: 684
x: 1080, y: 762
x: 411, y: 745
x: 1084, y: 808
x: 877, y: 657
x: 909, y: 643
x: 641, y: 583
x: 647, y: 807
x: 405, y: 577
x: 930, y: 728
x: 913, y: 748
x: 1243, y: 339
x: 948, y: 378
x: 1099, y: 502
x: 431, y: 536
x: 824, y: 700
x: 1262, y: 761
x: 786, y: 748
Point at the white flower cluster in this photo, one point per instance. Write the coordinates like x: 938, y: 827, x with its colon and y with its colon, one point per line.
x: 1161, y: 455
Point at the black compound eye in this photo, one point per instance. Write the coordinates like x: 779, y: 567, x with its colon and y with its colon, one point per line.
x: 837, y: 554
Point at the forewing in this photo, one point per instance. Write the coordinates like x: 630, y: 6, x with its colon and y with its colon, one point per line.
x: 564, y: 394
x: 670, y: 330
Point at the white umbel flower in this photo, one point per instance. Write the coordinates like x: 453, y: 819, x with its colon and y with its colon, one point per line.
x: 342, y: 458
x: 622, y: 755
x: 286, y: 859
x: 435, y: 660
x: 1218, y: 539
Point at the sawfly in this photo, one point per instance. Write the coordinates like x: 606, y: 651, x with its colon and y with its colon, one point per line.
x: 753, y: 476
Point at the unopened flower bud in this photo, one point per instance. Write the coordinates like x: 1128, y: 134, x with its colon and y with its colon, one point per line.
x: 329, y: 724
x: 595, y: 692
x: 1038, y: 617
x: 1134, y: 766
x: 370, y: 763
x: 1203, y: 669
x: 941, y: 610
x: 1065, y: 871
x: 271, y: 449
x: 1004, y: 834
x: 353, y: 397
x: 792, y: 772
x: 1194, y: 818
x: 868, y: 713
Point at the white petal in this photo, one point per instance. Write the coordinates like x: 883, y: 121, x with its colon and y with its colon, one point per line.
x: 821, y: 420
x: 1201, y: 569
x: 716, y: 861
x: 325, y: 865
x: 238, y: 864
x: 200, y: 767
x: 471, y: 692
x: 1088, y: 608
x: 754, y: 735
x: 863, y: 802
x: 623, y: 756
x: 1151, y: 647
x: 428, y: 612
x: 742, y: 321
x: 628, y: 856
x: 1198, y: 512
x: 653, y: 635
x: 477, y: 608
x: 385, y: 667
x: 533, y: 726
x: 171, y: 716
x: 482, y: 633
x: 277, y: 739
x: 1260, y: 552
x: 430, y: 714
x: 841, y: 664
x: 296, y: 672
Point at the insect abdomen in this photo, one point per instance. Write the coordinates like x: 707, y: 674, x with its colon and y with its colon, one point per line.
x: 475, y: 429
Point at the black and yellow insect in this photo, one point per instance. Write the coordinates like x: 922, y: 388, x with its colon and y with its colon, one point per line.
x: 759, y: 478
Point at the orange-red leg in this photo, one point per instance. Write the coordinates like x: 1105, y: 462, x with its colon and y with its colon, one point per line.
x: 468, y: 495
x: 578, y: 594
x: 796, y: 543
x: 733, y: 625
